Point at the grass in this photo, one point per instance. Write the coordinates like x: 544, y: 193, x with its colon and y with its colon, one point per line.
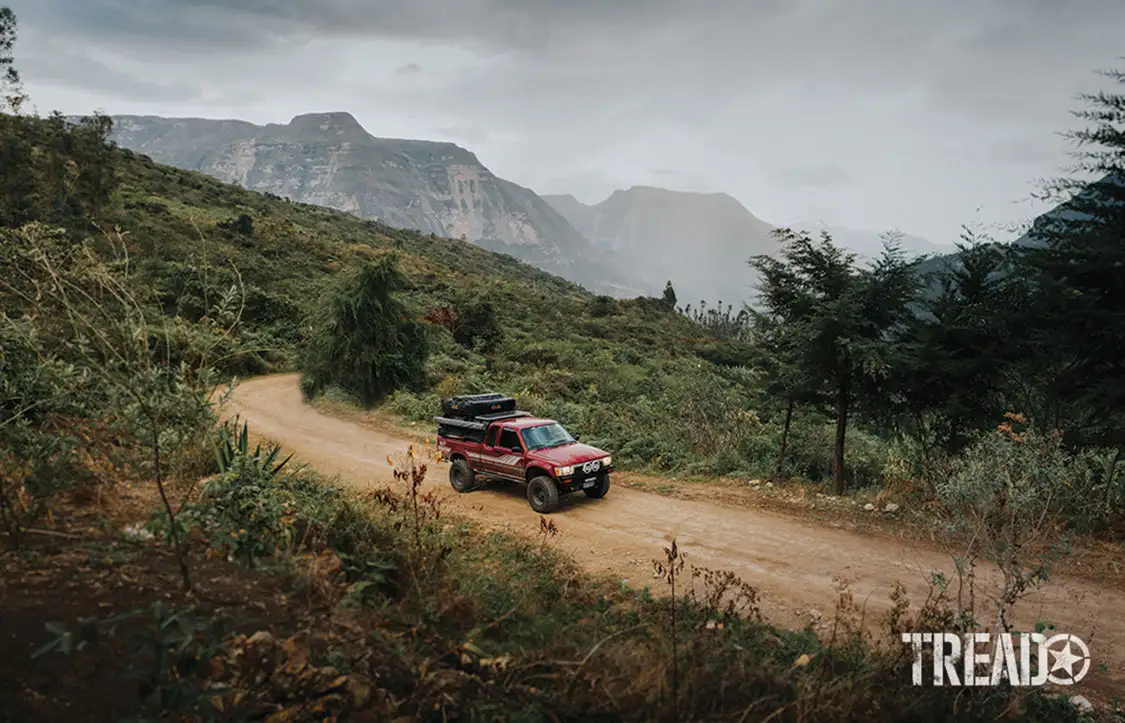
x: 378, y: 606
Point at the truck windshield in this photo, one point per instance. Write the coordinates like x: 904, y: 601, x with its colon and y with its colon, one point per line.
x: 547, y: 435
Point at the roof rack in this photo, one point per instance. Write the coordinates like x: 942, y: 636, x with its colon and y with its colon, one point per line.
x: 481, y: 421
x: 457, y: 422
x: 497, y: 416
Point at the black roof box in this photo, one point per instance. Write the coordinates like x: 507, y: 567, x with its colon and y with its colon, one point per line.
x: 476, y: 405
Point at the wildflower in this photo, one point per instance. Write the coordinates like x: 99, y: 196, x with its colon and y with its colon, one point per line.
x: 137, y: 532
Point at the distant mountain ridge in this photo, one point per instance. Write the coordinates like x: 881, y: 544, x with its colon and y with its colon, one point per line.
x: 702, y: 242
x: 329, y: 159
x: 629, y: 244
x: 1035, y: 237
x: 868, y: 245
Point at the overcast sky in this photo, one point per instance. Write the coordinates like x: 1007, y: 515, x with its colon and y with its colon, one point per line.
x: 917, y: 114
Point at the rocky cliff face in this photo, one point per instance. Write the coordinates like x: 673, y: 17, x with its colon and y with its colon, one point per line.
x: 701, y: 242
x: 328, y: 159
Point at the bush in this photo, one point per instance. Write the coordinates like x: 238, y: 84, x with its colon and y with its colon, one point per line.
x: 602, y: 306
x: 1009, y: 498
x: 364, y: 340
x: 478, y: 327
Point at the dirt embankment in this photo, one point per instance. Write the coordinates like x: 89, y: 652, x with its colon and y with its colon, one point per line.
x: 794, y: 563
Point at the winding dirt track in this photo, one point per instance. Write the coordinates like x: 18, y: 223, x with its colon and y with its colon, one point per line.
x: 793, y: 563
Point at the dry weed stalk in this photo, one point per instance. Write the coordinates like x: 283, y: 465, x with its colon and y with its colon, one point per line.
x: 547, y: 531
x: 424, y: 508
x: 669, y: 570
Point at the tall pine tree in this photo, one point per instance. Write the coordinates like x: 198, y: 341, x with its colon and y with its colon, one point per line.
x: 1075, y: 265
x: 836, y: 323
x: 11, y: 90
x: 963, y: 350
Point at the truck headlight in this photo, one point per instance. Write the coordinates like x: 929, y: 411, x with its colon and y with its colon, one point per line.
x: 563, y: 471
x: 607, y: 462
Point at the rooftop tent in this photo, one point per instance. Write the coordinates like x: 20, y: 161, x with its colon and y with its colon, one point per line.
x: 475, y: 405
x: 453, y: 428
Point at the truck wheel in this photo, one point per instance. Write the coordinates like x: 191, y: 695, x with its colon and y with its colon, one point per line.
x: 461, y: 476
x: 543, y: 494
x: 599, y: 490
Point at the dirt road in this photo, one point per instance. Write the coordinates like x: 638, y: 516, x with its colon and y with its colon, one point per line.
x: 793, y: 563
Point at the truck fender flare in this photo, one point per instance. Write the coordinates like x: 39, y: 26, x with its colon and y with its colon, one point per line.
x: 537, y: 471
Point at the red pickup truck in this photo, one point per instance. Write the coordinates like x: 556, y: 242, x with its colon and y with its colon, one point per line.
x: 485, y: 437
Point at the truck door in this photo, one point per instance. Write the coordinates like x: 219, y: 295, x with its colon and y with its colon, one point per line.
x: 507, y: 455
x: 488, y: 452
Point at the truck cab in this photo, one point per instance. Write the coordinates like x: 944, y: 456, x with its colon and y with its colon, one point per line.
x: 516, y: 446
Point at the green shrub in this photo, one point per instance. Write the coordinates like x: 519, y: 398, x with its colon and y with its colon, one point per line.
x: 365, y: 341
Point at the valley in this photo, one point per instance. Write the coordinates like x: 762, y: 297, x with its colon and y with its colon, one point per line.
x: 629, y: 244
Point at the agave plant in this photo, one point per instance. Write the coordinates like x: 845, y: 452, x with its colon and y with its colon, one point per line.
x: 234, y: 442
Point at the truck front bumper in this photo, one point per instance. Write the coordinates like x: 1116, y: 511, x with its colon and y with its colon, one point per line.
x: 580, y: 481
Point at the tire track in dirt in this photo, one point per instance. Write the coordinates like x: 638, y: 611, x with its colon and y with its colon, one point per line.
x: 792, y: 562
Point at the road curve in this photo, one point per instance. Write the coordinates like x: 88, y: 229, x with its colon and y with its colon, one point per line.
x: 793, y: 563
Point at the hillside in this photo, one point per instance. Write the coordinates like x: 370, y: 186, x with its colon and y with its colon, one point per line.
x: 328, y: 159
x: 699, y: 241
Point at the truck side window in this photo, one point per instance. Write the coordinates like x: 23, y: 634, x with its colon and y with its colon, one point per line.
x: 490, y: 440
x: 510, y: 440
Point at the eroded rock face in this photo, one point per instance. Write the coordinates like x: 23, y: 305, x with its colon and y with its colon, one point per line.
x: 328, y: 159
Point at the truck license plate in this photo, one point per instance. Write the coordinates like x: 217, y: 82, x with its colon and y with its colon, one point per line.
x: 590, y: 482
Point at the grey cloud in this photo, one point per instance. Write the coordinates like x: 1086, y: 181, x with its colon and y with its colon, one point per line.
x: 143, y: 26
x: 813, y: 176
x: 55, y: 64
x: 467, y: 134
x: 1021, y: 151
x: 500, y: 23
x: 1000, y: 57
x: 586, y: 96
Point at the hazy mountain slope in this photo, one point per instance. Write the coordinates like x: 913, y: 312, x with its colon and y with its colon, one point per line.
x: 869, y: 244
x: 328, y: 159
x: 699, y: 241
x: 1034, y: 236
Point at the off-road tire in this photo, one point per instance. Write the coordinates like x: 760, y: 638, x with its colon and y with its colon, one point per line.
x: 461, y: 476
x: 543, y: 495
x: 599, y: 490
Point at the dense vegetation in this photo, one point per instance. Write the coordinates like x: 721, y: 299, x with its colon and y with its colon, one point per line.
x: 937, y: 360
x: 129, y: 291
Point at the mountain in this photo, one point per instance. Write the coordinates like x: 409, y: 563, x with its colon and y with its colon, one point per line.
x: 699, y: 241
x: 328, y: 159
x: 1054, y: 220
x: 868, y: 245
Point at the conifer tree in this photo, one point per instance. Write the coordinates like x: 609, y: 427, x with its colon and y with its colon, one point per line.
x: 365, y: 340
x: 1074, y: 264
x: 837, y: 322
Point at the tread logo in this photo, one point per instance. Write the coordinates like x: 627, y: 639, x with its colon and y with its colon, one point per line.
x: 1062, y: 659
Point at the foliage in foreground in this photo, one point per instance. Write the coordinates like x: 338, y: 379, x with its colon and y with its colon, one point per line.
x: 445, y: 622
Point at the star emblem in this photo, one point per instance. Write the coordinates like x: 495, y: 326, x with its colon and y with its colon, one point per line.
x: 1065, y: 659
